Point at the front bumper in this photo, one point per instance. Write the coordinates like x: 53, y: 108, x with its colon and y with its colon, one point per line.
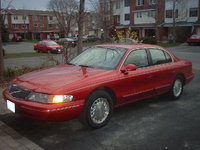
x: 47, y: 112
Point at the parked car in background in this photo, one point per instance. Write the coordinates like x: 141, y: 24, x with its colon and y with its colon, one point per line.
x: 48, y: 46
x: 17, y: 38
x: 96, y: 81
x: 194, y: 39
x: 68, y: 41
x: 92, y: 38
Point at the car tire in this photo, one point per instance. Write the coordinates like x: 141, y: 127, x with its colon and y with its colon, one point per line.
x: 97, y: 110
x: 189, y: 43
x: 37, y: 51
x: 177, y: 88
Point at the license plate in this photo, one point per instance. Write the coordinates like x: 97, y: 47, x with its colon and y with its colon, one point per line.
x: 11, y: 106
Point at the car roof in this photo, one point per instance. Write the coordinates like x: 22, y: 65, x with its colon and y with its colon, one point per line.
x: 132, y: 46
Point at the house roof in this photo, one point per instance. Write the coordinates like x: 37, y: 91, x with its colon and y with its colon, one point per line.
x: 29, y: 12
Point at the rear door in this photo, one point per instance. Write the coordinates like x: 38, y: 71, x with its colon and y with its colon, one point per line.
x: 163, y: 68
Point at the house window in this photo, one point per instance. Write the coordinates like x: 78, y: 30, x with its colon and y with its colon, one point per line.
x: 34, y: 18
x: 15, y: 17
x: 50, y: 17
x: 15, y: 26
x: 50, y: 25
x: 41, y: 18
x: 126, y: 3
x: 35, y: 25
x: 127, y: 17
x: 151, y: 13
x: 117, y: 18
x: 169, y: 13
x: 152, y: 2
x: 41, y: 25
x: 117, y: 3
x: 23, y: 17
x: 140, y: 2
x: 139, y: 14
x: 193, y: 12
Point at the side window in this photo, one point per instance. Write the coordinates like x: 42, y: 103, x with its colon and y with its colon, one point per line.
x: 168, y: 57
x: 159, y: 57
x: 138, y: 58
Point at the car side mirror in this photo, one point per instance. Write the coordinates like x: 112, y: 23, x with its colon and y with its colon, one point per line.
x: 129, y: 67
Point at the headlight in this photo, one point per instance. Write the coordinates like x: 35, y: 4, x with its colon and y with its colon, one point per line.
x: 45, y: 98
x: 39, y: 97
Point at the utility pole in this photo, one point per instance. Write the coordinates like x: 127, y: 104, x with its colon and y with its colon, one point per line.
x: 80, y: 25
x: 174, y: 21
x: 1, y: 48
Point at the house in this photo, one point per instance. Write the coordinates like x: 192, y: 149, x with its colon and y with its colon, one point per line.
x: 155, y: 17
x: 36, y: 24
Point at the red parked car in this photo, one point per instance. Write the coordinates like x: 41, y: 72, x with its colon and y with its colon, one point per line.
x: 194, y: 39
x: 48, y: 46
x: 96, y: 81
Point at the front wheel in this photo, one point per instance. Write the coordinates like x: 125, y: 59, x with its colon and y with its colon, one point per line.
x: 97, y: 110
x: 177, y: 88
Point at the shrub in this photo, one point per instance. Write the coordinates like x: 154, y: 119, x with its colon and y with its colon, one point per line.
x: 149, y: 40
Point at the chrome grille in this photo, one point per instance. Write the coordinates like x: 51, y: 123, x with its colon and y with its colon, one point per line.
x: 18, y: 92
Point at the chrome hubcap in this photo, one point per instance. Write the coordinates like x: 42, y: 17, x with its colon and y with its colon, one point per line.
x: 99, y: 110
x: 177, y: 87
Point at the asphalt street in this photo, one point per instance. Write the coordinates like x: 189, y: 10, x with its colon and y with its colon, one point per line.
x: 152, y: 124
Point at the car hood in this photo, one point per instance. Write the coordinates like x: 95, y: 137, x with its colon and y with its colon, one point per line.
x: 54, y: 79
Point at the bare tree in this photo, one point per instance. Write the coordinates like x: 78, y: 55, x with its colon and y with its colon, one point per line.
x: 2, y: 18
x: 174, y: 21
x: 102, y: 10
x: 80, y: 25
x: 65, y: 12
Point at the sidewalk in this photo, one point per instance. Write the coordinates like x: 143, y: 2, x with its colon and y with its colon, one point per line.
x: 9, y: 138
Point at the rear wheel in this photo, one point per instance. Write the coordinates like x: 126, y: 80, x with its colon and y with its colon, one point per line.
x: 97, y: 110
x: 177, y: 88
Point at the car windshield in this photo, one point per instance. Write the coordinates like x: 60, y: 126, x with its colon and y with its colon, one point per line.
x: 51, y: 43
x: 195, y: 36
x: 99, y: 57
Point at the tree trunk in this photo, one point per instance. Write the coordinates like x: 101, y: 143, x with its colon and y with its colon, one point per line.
x: 1, y: 48
x: 80, y: 25
x: 174, y: 21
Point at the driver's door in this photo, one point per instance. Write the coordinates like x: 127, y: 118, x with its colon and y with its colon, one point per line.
x: 138, y: 84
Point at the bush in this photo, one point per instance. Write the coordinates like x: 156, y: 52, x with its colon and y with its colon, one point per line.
x: 11, y: 73
x: 149, y: 40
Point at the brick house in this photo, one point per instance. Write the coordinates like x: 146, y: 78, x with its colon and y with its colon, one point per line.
x: 154, y: 17
x: 36, y: 24
x: 31, y: 24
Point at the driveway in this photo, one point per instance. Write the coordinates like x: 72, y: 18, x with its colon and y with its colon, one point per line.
x: 191, y: 53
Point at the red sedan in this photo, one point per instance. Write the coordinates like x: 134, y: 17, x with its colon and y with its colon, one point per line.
x: 194, y: 39
x: 48, y: 46
x: 96, y: 81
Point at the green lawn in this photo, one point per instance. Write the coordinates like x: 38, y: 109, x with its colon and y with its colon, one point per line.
x: 18, y: 55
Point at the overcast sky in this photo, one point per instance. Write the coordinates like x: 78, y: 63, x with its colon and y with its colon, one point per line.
x: 30, y: 4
